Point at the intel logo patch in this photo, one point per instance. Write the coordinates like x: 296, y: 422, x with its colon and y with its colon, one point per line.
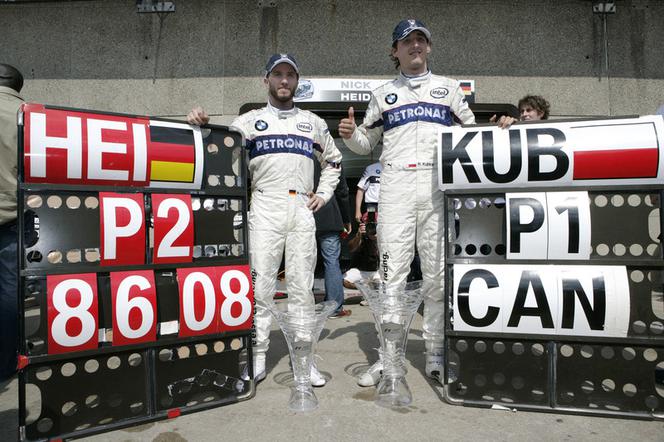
x: 305, y: 127
x: 439, y: 92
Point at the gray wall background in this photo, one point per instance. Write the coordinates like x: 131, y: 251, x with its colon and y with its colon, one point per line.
x: 104, y: 55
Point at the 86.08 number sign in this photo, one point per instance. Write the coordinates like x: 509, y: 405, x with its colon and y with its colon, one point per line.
x: 211, y: 300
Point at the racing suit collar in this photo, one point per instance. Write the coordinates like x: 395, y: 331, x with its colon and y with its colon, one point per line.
x: 417, y: 80
x: 281, y: 114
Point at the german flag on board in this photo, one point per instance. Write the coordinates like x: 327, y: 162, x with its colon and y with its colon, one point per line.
x: 175, y: 155
x: 468, y: 88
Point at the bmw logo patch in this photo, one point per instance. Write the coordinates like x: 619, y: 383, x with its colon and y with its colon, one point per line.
x: 439, y: 92
x: 391, y: 98
x: 260, y: 125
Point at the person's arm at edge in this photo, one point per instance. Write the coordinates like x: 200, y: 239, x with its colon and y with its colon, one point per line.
x: 356, y: 241
x: 359, y: 196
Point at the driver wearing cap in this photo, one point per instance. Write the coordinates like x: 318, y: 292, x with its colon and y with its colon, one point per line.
x: 407, y: 114
x: 283, y: 142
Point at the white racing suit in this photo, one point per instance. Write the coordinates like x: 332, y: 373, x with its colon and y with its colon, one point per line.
x: 408, y: 113
x: 282, y: 148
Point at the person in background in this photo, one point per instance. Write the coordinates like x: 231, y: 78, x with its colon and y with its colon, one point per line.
x: 331, y: 220
x: 363, y: 248
x: 11, y: 83
x: 533, y: 107
x: 368, y: 189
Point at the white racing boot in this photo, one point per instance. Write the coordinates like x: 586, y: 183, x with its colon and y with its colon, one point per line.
x: 259, y: 368
x: 372, y: 376
x: 317, y: 379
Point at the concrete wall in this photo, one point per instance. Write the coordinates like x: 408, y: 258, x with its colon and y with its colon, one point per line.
x: 104, y: 55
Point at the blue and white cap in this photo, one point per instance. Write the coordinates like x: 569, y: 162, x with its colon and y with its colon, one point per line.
x: 278, y: 59
x: 405, y: 27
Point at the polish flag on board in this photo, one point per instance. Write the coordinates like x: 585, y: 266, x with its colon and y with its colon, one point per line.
x: 620, y: 151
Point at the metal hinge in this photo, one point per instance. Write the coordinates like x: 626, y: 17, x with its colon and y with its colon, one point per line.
x: 154, y: 6
x: 267, y: 3
x: 604, y: 7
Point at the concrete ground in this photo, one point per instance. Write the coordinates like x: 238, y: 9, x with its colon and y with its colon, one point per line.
x: 346, y: 411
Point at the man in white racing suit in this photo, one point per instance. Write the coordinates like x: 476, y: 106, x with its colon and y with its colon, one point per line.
x: 408, y: 113
x: 283, y: 142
